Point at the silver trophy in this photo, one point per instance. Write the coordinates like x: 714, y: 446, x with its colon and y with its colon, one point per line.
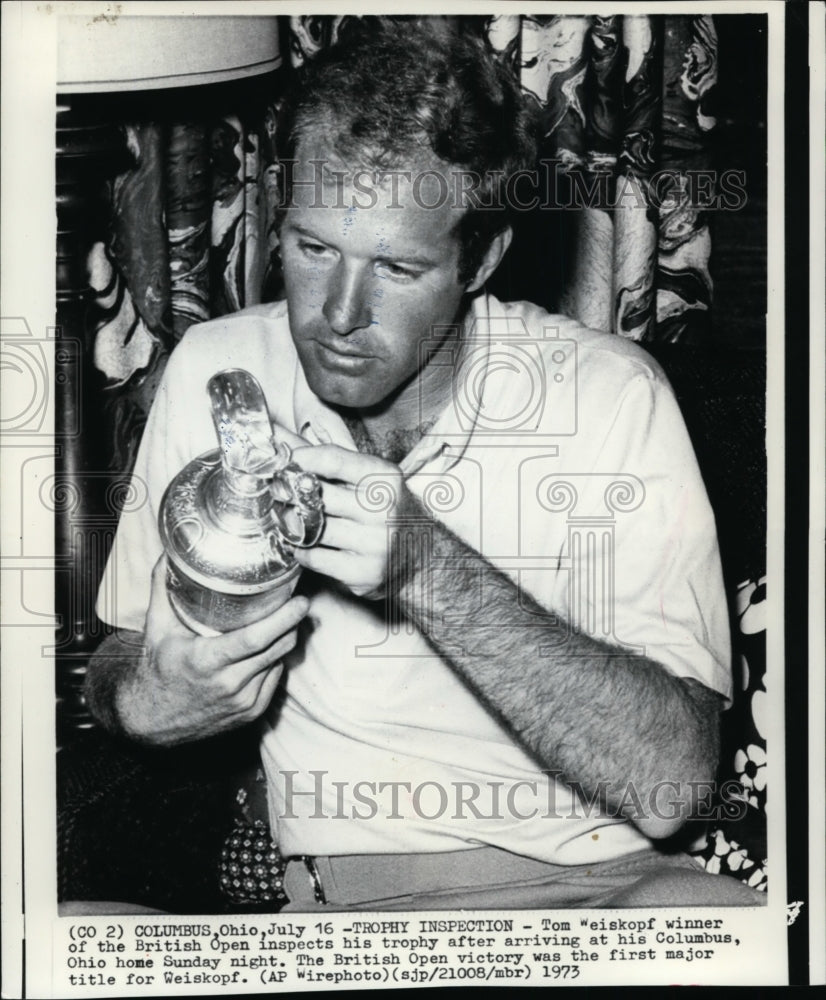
x: 231, y: 519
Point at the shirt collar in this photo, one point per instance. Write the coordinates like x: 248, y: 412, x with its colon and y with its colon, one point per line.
x: 314, y: 420
x: 450, y: 436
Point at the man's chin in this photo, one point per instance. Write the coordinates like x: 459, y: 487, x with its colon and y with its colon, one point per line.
x: 344, y: 393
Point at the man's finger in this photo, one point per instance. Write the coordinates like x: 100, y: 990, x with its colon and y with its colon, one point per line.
x: 246, y: 642
x: 334, y: 462
x: 350, y: 536
x: 159, y: 569
x: 329, y: 562
x: 249, y: 674
x: 288, y: 437
x: 342, y: 501
x: 265, y: 694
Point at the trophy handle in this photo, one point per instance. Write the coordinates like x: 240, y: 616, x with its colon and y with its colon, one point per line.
x: 301, y: 513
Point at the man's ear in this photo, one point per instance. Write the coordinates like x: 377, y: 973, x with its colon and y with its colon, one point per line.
x: 492, y: 259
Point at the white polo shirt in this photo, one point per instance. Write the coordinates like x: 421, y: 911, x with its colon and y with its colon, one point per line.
x: 565, y: 462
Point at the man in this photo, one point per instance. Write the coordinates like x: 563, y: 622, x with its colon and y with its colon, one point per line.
x: 506, y: 667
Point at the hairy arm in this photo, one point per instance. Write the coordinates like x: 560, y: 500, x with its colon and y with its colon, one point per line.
x: 620, y: 726
x: 111, y: 668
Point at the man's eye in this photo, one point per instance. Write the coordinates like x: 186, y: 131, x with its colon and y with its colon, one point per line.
x: 312, y: 249
x: 386, y: 267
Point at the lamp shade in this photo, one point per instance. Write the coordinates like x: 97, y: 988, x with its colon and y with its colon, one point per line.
x: 150, y: 52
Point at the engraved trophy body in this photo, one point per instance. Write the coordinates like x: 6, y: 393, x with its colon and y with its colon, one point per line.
x: 231, y: 518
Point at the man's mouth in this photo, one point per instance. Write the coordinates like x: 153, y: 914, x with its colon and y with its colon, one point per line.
x: 346, y: 358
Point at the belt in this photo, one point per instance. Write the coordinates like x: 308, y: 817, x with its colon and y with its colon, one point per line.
x: 358, y: 878
x: 315, y: 879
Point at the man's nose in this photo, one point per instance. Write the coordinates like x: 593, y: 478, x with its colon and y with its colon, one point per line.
x: 346, y: 306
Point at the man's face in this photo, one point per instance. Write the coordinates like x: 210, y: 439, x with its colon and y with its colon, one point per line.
x: 366, y: 285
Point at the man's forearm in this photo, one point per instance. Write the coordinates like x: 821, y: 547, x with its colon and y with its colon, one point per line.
x: 617, y: 724
x: 111, y: 667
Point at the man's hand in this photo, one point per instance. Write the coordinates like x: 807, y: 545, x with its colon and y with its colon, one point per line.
x: 360, y: 492
x: 187, y: 687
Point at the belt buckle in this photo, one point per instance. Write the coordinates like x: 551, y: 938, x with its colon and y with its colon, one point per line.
x: 315, y: 879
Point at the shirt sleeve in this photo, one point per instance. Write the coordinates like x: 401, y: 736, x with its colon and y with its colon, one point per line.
x: 666, y: 594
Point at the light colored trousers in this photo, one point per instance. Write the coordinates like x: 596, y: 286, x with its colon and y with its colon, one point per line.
x: 489, y: 878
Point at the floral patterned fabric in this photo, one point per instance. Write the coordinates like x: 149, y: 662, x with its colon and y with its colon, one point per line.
x: 737, y: 846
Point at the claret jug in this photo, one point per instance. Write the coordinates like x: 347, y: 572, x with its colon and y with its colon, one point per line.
x: 231, y: 519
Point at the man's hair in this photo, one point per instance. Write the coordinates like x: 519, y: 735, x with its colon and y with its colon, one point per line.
x: 389, y: 90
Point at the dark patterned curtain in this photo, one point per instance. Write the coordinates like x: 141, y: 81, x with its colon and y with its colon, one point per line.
x: 623, y: 104
x: 626, y: 129
x: 190, y: 237
x: 624, y: 115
